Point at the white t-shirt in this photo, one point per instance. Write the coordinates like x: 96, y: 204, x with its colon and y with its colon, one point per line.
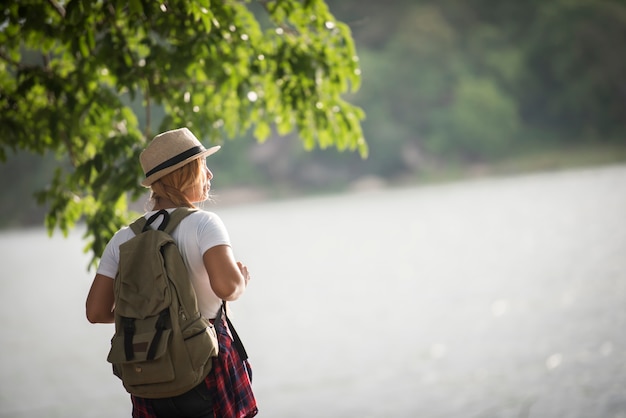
x: 194, y: 235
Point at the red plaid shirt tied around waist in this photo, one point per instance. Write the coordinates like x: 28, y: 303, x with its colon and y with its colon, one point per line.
x: 229, y: 380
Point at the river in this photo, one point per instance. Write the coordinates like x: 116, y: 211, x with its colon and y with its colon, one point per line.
x: 502, y: 297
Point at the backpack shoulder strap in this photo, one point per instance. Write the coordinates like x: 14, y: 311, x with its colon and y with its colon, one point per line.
x: 169, y: 223
x: 236, y: 340
x: 175, y: 217
x: 138, y: 225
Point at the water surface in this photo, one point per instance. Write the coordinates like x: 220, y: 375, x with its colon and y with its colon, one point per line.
x: 491, y: 298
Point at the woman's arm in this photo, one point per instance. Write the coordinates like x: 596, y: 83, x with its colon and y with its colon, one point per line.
x: 228, y: 277
x: 100, y: 300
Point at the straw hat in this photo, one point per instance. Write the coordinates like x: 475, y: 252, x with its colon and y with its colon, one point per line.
x: 169, y: 151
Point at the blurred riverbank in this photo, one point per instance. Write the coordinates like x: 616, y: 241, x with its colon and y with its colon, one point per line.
x: 21, y: 209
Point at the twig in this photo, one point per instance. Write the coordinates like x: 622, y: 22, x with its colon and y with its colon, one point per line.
x: 57, y: 7
x: 148, y: 112
x: 9, y: 60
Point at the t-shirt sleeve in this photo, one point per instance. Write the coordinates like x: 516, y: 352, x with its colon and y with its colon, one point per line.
x: 111, y: 255
x: 211, y: 232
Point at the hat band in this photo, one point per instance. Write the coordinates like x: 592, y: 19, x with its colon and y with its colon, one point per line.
x: 176, y: 159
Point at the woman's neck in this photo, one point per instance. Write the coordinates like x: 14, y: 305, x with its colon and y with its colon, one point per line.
x: 168, y: 204
x: 163, y: 204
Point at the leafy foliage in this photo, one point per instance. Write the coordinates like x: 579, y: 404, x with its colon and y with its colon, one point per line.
x: 444, y: 82
x: 69, y: 69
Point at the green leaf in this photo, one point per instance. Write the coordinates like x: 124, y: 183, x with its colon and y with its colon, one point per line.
x: 95, y: 80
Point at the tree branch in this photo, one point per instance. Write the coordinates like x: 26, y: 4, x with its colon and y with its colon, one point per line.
x: 8, y: 59
x: 148, y: 112
x: 57, y: 7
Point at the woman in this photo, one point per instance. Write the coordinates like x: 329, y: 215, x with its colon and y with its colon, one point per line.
x: 176, y: 172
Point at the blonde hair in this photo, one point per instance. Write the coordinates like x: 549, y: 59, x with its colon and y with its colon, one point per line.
x: 172, y: 186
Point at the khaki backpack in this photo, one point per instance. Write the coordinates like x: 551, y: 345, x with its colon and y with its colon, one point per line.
x: 162, y: 346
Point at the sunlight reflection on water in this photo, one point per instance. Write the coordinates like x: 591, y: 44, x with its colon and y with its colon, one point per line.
x: 499, y: 297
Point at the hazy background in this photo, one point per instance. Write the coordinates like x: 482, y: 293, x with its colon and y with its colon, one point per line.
x: 472, y: 266
x: 491, y: 298
x: 451, y: 89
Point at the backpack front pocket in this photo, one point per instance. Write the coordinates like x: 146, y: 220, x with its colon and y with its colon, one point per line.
x: 138, y: 370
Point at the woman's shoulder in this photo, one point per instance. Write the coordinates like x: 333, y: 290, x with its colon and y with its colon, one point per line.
x: 122, y: 235
x: 206, y: 223
x: 202, y: 220
x: 201, y: 215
